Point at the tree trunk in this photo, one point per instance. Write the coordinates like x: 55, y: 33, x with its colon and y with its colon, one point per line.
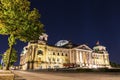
x: 9, y: 58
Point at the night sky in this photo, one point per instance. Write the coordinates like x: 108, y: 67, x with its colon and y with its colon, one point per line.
x: 81, y: 21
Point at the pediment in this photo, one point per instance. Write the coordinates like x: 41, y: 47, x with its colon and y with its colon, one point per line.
x: 85, y: 47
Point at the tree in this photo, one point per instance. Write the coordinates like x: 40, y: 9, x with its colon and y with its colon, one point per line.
x: 113, y: 64
x: 13, y: 57
x: 18, y: 21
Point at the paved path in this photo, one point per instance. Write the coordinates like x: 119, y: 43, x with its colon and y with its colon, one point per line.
x: 66, y: 76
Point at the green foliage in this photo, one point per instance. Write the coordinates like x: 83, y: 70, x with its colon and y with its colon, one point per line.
x: 0, y: 66
x: 18, y: 19
x: 11, y: 40
x: 20, y: 22
x: 13, y: 56
x: 113, y: 64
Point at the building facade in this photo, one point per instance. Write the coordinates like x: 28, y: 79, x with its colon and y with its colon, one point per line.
x: 40, y: 55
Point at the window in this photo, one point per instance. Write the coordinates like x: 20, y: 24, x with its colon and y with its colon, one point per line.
x: 58, y: 60
x: 53, y: 59
x: 49, y: 59
x: 26, y: 48
x: 53, y: 53
x: 40, y: 52
x: 65, y: 54
x: 58, y: 54
x: 62, y: 54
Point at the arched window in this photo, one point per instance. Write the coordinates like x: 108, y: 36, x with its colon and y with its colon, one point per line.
x: 40, y: 52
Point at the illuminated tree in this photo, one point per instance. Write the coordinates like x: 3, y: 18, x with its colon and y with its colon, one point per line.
x: 18, y: 21
x: 13, y: 57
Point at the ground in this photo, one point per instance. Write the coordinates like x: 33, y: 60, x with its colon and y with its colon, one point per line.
x: 24, y: 75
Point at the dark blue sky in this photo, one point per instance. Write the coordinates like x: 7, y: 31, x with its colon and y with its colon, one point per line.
x: 81, y: 21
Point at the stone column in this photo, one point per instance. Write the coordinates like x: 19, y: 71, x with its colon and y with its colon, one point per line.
x: 108, y: 59
x: 69, y: 57
x: 104, y: 59
x: 89, y: 59
x: 81, y: 59
x: 77, y: 60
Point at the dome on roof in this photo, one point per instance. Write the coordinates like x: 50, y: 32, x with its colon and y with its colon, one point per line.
x: 99, y: 47
x: 62, y: 43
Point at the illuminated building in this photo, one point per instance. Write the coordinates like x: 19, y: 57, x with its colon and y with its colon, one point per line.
x: 40, y: 55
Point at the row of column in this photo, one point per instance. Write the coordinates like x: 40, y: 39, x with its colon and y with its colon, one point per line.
x: 86, y: 59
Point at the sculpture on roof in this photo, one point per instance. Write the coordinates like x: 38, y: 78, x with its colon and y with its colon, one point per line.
x: 43, y: 37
